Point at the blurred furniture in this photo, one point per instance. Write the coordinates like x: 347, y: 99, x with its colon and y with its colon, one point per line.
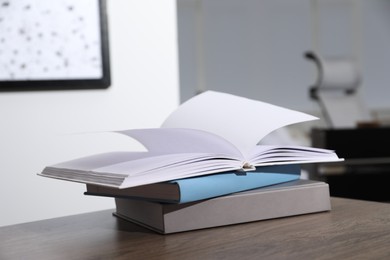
x: 365, y: 173
x: 351, y: 132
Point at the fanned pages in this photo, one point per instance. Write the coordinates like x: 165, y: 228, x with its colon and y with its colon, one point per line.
x: 211, y: 133
x: 241, y: 121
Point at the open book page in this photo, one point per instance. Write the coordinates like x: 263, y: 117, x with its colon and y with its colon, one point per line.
x: 128, y: 169
x: 82, y: 169
x: 89, y: 163
x: 182, y: 140
x: 196, y: 168
x: 241, y: 121
x: 169, y: 167
x: 277, y: 155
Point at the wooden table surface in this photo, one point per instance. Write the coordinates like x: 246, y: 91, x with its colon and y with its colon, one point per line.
x: 353, y: 229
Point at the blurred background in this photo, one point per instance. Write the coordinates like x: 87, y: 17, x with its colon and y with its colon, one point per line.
x: 255, y: 47
x: 161, y: 53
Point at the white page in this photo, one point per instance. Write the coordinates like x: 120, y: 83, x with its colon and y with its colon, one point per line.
x: 168, y: 167
x: 140, y: 166
x: 91, y: 162
x: 197, y: 168
x: 273, y: 152
x: 287, y: 161
x: 180, y: 140
x: 242, y: 121
x: 156, y: 163
x: 284, y: 156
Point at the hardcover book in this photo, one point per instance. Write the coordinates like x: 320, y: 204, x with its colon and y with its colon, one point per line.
x: 202, y: 187
x: 282, y: 200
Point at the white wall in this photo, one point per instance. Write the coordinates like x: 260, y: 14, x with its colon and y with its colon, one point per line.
x: 36, y: 127
x: 255, y: 48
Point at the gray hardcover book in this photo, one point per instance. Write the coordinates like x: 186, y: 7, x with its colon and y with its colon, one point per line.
x: 288, y: 199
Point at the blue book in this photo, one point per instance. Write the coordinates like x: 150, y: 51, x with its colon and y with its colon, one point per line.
x: 203, y: 187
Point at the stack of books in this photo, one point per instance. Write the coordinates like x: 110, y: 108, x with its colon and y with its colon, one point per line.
x: 204, y: 168
x: 276, y: 201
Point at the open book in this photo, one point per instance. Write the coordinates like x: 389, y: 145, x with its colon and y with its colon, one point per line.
x: 211, y: 133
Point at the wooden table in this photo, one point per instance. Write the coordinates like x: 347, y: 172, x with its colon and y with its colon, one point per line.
x: 352, y: 229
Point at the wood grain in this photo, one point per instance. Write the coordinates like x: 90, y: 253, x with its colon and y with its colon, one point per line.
x: 353, y: 229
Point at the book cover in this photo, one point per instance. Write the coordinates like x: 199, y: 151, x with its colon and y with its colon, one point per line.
x: 282, y: 200
x: 203, y: 187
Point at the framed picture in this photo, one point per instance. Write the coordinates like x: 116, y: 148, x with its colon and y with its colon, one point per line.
x: 53, y: 44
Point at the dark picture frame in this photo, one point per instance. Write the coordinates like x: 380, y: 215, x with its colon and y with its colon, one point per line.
x: 58, y: 60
